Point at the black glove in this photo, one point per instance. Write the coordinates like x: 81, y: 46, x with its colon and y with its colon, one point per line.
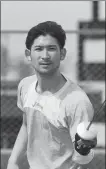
x: 83, y: 146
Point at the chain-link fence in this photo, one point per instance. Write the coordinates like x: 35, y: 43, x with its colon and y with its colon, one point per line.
x: 82, y: 71
x: 11, y: 116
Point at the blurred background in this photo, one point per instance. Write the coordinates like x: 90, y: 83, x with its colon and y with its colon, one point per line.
x: 84, y: 23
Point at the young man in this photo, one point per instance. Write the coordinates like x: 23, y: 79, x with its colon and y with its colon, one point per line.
x: 52, y: 106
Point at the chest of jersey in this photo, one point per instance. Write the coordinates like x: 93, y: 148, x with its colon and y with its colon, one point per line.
x: 46, y: 121
x: 49, y: 107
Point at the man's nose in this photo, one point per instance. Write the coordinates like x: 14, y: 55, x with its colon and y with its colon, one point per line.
x: 45, y: 54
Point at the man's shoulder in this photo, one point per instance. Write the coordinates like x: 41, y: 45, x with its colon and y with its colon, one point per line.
x: 27, y: 81
x: 77, y: 99
x: 75, y: 93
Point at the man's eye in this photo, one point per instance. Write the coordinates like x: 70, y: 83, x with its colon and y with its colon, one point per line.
x: 52, y: 48
x: 38, y: 49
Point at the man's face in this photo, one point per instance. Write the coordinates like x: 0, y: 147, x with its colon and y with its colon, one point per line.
x: 46, y: 54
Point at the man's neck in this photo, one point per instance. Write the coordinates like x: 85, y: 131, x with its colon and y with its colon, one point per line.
x: 51, y: 83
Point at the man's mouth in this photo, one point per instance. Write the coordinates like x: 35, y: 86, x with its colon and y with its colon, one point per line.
x: 45, y: 63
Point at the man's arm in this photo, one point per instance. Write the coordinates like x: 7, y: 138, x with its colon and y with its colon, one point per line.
x: 84, y: 155
x: 80, y: 110
x: 19, y: 148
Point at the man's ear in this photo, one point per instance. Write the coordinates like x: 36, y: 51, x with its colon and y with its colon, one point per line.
x: 63, y: 54
x: 28, y: 54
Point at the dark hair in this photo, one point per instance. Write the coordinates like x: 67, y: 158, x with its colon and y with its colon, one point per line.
x: 44, y: 28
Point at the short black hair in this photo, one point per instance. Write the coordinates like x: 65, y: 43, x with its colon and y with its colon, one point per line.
x: 46, y: 28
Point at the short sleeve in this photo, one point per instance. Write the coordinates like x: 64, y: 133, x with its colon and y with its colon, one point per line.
x: 19, y: 97
x: 22, y: 91
x: 80, y: 110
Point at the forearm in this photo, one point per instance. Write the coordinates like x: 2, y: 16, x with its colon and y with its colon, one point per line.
x: 12, y: 166
x: 20, y: 146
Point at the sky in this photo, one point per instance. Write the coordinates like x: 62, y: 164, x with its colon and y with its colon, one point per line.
x: 21, y: 15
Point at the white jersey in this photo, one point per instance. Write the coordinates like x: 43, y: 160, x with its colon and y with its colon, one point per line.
x: 52, y: 121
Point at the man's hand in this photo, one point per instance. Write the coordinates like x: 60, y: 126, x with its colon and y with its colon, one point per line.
x: 83, y: 146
